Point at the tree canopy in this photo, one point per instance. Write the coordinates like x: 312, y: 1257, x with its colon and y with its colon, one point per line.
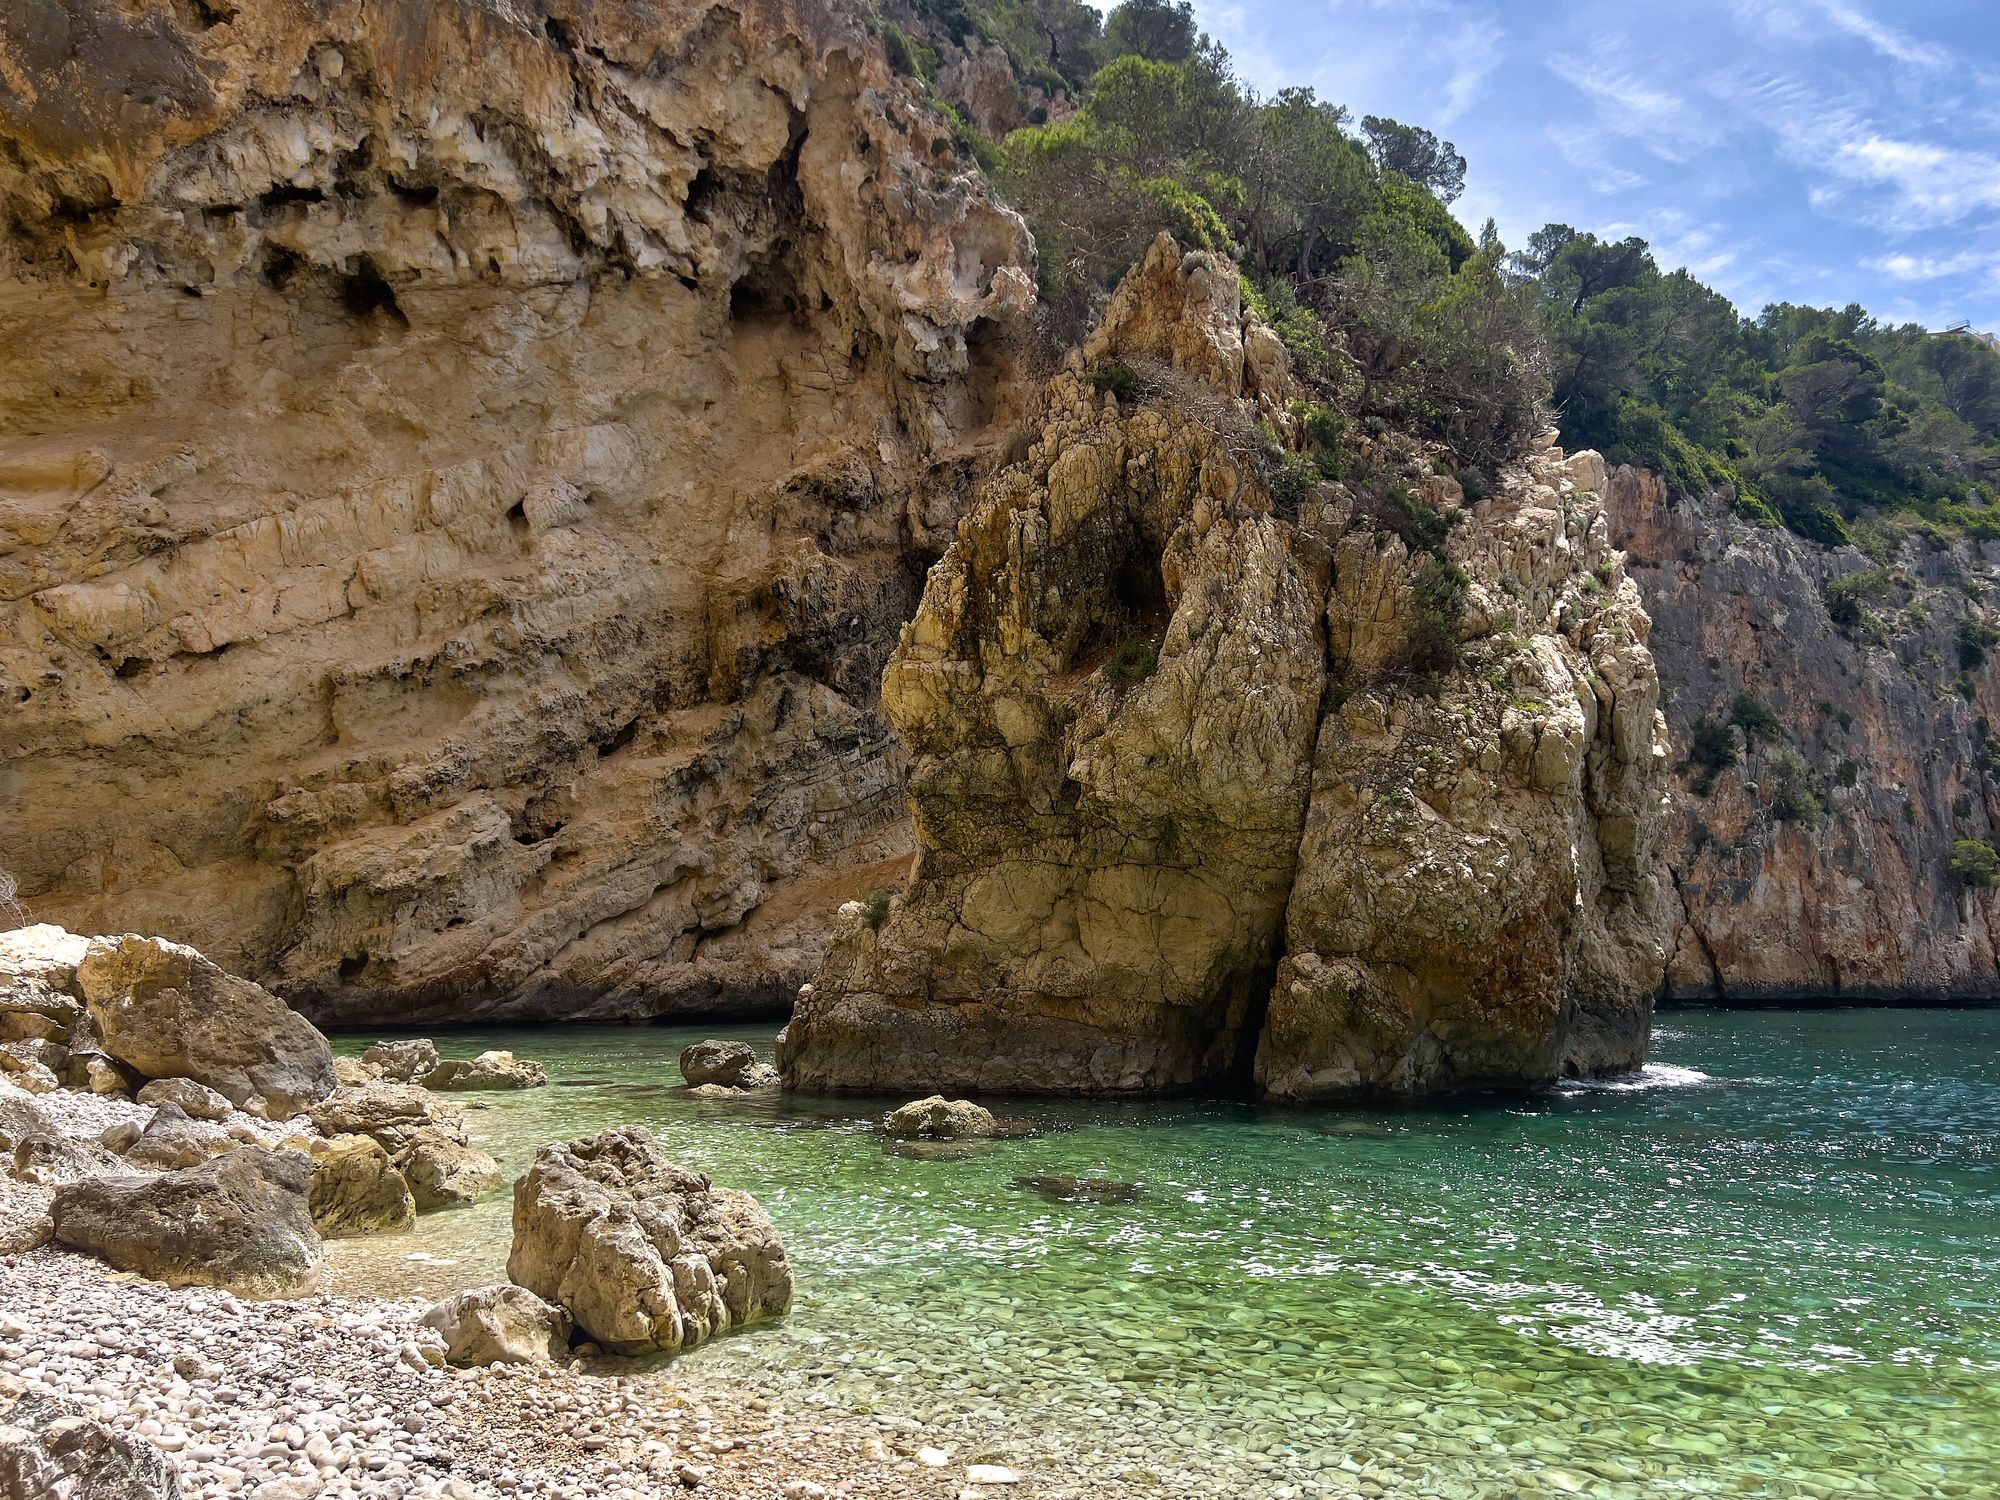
x: 1817, y: 417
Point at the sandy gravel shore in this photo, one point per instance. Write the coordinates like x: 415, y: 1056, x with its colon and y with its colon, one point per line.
x: 331, y: 1397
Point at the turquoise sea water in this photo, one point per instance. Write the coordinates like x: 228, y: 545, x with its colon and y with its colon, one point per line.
x: 1770, y: 1265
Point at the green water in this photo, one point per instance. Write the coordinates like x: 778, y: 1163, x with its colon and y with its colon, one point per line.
x: 1769, y: 1267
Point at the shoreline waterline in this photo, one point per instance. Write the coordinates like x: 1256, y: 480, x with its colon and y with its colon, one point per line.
x: 1755, y: 1263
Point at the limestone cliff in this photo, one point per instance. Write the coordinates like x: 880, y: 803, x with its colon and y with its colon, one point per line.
x: 1849, y: 709
x: 1199, y: 792
x: 464, y: 464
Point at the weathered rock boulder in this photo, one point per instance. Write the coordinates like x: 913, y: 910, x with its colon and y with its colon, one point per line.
x: 446, y: 1171
x: 725, y: 1065
x: 37, y: 976
x: 1165, y: 728
x: 493, y: 1070
x: 423, y: 1135
x: 49, y: 1158
x: 241, y: 1221
x: 196, y: 1101
x: 170, y: 1139
x: 353, y: 1073
x: 356, y: 1189
x: 55, y: 1450
x: 940, y: 1117
x: 25, y: 1222
x: 411, y: 1060
x: 514, y: 649
x: 644, y: 1254
x: 500, y: 1325
x: 166, y: 1011
x: 27, y: 1071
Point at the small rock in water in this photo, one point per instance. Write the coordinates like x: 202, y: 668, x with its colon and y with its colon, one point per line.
x: 991, y: 1474
x: 938, y: 1116
x: 1081, y: 1189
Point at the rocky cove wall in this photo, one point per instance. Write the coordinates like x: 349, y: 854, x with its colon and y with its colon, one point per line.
x: 1817, y: 865
x: 464, y: 466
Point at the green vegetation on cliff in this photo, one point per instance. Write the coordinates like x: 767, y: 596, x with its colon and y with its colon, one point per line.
x: 1820, y: 419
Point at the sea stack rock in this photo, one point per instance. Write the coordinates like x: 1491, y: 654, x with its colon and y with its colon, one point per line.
x: 1160, y: 718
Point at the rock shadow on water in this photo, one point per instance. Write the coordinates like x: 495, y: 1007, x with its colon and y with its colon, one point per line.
x: 1062, y: 1189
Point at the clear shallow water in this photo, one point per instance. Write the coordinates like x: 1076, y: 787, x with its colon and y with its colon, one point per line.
x: 1769, y: 1266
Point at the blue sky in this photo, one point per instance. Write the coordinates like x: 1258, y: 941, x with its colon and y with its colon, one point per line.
x: 1820, y: 151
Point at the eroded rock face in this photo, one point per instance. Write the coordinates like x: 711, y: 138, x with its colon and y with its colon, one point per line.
x: 1817, y: 865
x: 241, y: 1221
x: 165, y: 1011
x: 644, y: 1254
x: 1110, y: 693
x: 464, y: 467
x: 1155, y: 727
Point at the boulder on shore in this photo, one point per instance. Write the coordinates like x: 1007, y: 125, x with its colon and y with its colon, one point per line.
x: 197, y: 1101
x: 423, y: 1135
x: 491, y: 1070
x: 171, y: 1139
x: 356, y: 1189
x: 24, y: 1215
x: 164, y: 1010
x: 55, y: 1450
x: 728, y: 1065
x: 496, y: 1325
x: 37, y: 973
x: 644, y: 1254
x: 940, y: 1117
x: 242, y: 1221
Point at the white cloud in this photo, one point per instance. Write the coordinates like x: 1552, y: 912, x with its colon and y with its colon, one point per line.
x: 1903, y: 266
x: 1666, y: 124
x: 1885, y: 40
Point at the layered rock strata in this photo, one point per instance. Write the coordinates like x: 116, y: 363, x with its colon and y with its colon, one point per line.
x: 1811, y: 850
x: 1163, y: 737
x: 464, y: 465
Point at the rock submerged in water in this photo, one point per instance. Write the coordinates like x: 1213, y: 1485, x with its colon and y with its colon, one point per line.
x: 410, y: 1060
x: 167, y: 1012
x: 495, y: 1070
x: 644, y: 1254
x: 503, y: 1324
x: 1060, y: 1189
x: 725, y: 1065
x: 942, y: 1119
x: 241, y: 1221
